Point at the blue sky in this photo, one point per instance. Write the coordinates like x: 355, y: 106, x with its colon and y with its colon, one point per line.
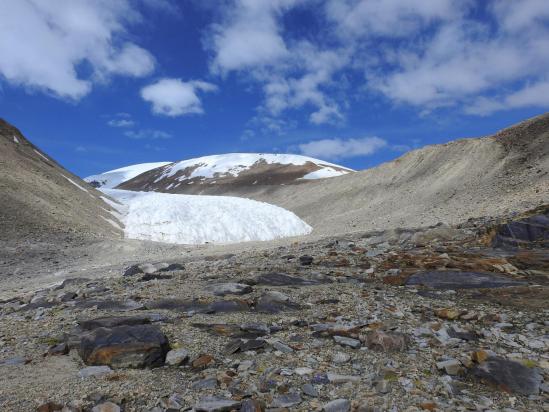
x: 106, y: 83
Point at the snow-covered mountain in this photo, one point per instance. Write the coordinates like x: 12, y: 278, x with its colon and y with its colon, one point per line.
x: 113, y: 178
x: 230, y: 172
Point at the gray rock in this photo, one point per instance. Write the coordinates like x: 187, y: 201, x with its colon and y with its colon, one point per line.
x: 94, y: 371
x: 450, y: 366
x: 286, y: 401
x: 280, y: 279
x: 509, y: 376
x: 340, y: 357
x: 177, y: 357
x: 222, y: 289
x: 18, y: 360
x: 106, y: 407
x: 345, y: 341
x: 310, y: 390
x: 216, y: 404
x: 335, y: 378
x: 208, y: 383
x: 338, y: 405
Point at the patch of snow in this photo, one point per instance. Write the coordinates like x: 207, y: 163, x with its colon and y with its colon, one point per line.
x: 112, y: 222
x: 191, y: 219
x: 76, y: 184
x: 40, y: 154
x: 15, y: 139
x: 116, y: 177
x: 231, y: 164
x: 324, y: 173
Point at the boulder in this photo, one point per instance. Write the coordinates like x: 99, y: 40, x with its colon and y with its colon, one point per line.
x: 141, y: 346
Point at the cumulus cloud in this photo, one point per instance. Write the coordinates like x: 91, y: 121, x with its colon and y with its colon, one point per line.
x: 121, y: 123
x: 342, y: 148
x: 43, y: 44
x: 477, y: 57
x: 173, y: 97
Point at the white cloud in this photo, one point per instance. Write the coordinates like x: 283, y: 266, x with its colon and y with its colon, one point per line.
x: 342, y: 148
x: 173, y: 97
x: 293, y: 74
x: 147, y: 134
x: 43, y: 44
x: 121, y: 123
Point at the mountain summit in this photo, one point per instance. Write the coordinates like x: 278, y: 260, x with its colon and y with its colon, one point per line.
x: 224, y: 173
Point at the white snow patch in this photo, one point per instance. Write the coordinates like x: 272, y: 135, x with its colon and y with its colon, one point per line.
x: 116, y: 177
x: 190, y: 219
x: 40, y: 154
x: 76, y: 184
x: 234, y: 163
x: 15, y: 139
x: 324, y: 173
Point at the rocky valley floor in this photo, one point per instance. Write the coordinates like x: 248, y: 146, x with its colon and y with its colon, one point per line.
x: 436, y: 319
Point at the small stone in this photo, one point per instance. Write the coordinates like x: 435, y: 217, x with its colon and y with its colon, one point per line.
x: 94, y: 371
x: 202, y: 361
x: 337, y: 379
x: 245, y: 365
x: 479, y: 356
x: 303, y: 371
x: 451, y: 366
x: 106, y: 407
x: 279, y: 346
x: 177, y: 357
x: 446, y: 313
x: 208, y: 383
x: 344, y: 341
x: 309, y: 390
x: 340, y: 358
x: 386, y: 341
x: 58, y: 350
x: 338, y: 405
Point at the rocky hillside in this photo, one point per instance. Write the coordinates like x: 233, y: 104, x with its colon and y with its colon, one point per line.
x: 452, y: 182
x: 236, y: 173
x: 40, y: 199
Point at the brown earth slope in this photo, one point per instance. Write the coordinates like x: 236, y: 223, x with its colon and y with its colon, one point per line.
x: 40, y: 200
x: 467, y: 178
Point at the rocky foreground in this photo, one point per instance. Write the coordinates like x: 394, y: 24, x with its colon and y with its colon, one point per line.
x: 436, y: 319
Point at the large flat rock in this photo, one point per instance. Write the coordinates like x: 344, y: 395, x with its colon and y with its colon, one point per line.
x: 460, y: 280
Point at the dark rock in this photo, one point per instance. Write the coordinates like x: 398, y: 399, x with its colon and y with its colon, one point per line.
x: 208, y: 383
x: 221, y: 306
x: 49, y: 407
x: 58, y: 350
x: 124, y: 347
x: 280, y: 279
x: 269, y: 303
x: 154, y: 276
x: 113, y: 321
x: 310, y: 390
x: 252, y: 405
x: 509, y: 376
x: 132, y: 270
x: 467, y: 336
x: 172, y: 267
x: 222, y: 289
x: 306, y: 260
x: 460, y: 280
x: 524, y: 232
x: 18, y: 360
x: 244, y: 345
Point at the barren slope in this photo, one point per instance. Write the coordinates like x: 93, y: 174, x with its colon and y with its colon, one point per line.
x: 41, y: 200
x: 488, y: 176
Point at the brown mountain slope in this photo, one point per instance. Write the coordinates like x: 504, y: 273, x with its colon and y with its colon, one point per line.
x: 41, y: 200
